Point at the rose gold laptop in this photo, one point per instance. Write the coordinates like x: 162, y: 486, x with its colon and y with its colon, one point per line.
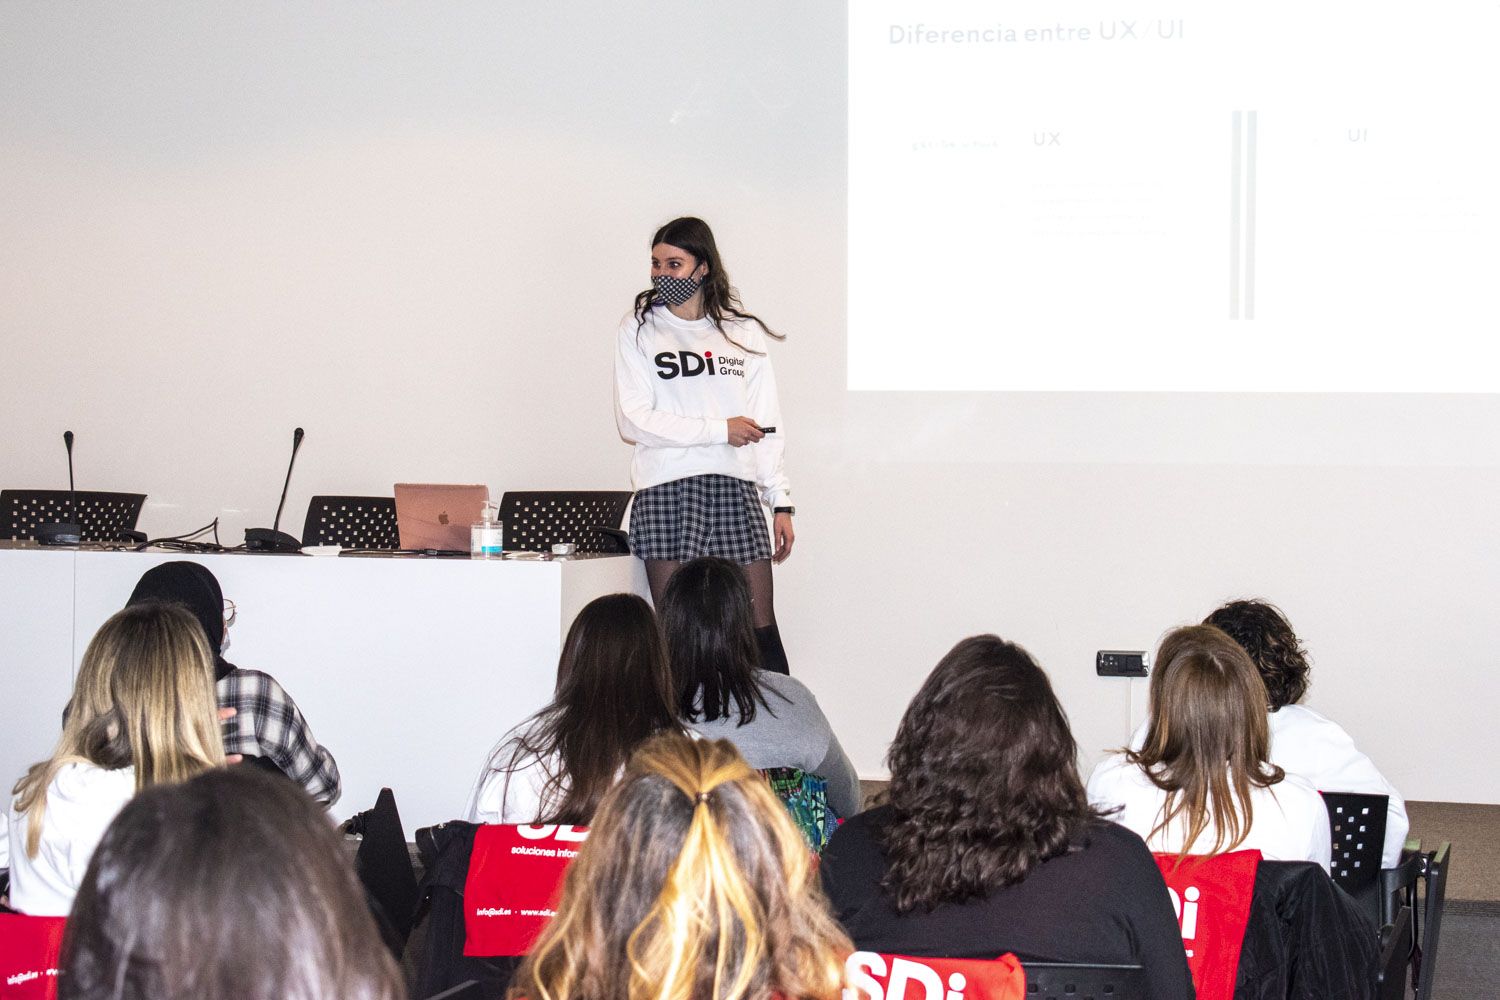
x: 438, y: 515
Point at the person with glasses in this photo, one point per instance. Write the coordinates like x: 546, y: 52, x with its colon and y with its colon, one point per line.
x: 267, y: 727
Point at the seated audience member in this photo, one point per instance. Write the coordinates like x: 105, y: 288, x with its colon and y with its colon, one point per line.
x: 268, y: 729
x: 613, y: 693
x: 1202, y: 783
x: 142, y: 714
x: 1302, y: 741
x: 694, y: 884
x: 986, y: 843
x: 721, y: 692
x: 231, y: 886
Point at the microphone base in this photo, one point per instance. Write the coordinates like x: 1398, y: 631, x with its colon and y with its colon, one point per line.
x: 270, y: 540
x: 60, y: 533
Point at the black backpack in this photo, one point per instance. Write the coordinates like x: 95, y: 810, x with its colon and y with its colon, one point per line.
x: 435, y: 951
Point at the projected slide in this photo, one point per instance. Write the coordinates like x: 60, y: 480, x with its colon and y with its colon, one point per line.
x: 1262, y: 196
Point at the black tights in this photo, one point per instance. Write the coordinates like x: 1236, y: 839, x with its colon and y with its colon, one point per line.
x: 762, y: 607
x: 757, y: 576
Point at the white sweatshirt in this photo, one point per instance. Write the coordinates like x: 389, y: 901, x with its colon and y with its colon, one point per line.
x: 1288, y: 821
x: 82, y: 801
x: 511, y: 796
x: 677, y: 383
x: 1305, y: 743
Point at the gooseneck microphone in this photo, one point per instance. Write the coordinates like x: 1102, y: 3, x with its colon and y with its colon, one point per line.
x: 72, y: 493
x: 68, y: 532
x: 273, y: 539
x: 296, y: 443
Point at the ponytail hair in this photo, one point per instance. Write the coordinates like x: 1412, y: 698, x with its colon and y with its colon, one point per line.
x: 694, y: 884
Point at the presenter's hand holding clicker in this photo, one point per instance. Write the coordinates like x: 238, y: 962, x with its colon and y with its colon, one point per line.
x: 743, y: 431
x: 781, y: 528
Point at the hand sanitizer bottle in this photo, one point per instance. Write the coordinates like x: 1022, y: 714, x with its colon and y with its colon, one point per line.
x: 486, y: 539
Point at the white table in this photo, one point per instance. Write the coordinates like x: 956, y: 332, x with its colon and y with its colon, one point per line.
x: 407, y: 669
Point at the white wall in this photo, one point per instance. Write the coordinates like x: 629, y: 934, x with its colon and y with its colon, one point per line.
x: 411, y: 229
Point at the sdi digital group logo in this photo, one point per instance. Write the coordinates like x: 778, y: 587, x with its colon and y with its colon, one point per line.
x: 686, y: 364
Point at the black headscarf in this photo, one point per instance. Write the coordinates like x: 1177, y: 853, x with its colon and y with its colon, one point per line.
x: 191, y: 585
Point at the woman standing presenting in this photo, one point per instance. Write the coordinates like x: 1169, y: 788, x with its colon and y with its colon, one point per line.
x: 695, y: 394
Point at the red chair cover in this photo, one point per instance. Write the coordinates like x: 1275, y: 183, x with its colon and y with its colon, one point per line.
x: 29, y: 949
x: 1212, y: 899
x: 515, y: 876
x: 872, y: 976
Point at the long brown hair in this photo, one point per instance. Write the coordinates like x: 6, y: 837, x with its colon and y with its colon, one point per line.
x: 231, y: 886
x: 614, y: 691
x: 719, y: 297
x: 984, y: 778
x: 694, y: 884
x: 144, y: 697
x: 1208, y: 742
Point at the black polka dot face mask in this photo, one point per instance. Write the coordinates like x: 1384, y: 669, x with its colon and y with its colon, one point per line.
x: 674, y: 291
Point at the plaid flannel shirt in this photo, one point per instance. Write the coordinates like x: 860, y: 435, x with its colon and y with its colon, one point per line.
x: 268, y: 724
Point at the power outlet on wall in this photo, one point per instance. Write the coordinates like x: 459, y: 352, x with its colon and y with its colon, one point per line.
x: 1120, y: 663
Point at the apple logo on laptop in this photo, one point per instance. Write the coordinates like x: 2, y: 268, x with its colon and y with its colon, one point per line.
x: 443, y: 517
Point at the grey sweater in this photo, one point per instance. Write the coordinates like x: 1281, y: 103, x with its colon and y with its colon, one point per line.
x: 793, y: 732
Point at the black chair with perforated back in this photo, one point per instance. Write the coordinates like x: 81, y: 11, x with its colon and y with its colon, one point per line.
x: 588, y: 519
x: 1357, y: 823
x: 104, y: 517
x: 1066, y: 981
x: 352, y: 522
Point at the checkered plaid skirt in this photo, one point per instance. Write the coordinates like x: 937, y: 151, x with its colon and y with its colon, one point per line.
x: 700, y: 516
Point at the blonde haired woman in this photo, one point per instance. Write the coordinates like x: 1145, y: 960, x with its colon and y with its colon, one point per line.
x: 1202, y: 782
x: 693, y: 885
x: 142, y: 713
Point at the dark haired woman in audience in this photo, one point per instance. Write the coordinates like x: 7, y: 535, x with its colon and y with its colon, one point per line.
x: 142, y: 714
x: 232, y: 886
x: 613, y: 693
x: 1202, y: 782
x: 987, y: 844
x: 695, y: 395
x: 721, y: 692
x: 1302, y: 741
x: 267, y: 729
x: 693, y: 885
